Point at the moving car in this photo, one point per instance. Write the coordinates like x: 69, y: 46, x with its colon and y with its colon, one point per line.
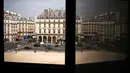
x: 27, y: 48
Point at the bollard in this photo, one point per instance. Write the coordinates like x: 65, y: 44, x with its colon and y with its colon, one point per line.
x: 81, y: 50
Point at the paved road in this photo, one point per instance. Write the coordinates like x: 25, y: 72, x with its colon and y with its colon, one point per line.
x: 10, y: 45
x: 13, y: 46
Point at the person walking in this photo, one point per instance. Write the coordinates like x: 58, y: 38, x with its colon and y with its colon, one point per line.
x: 34, y: 50
x: 96, y: 46
x: 18, y: 46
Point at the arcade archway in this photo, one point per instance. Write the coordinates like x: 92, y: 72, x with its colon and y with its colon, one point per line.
x: 54, y: 39
x: 49, y: 39
x: 44, y: 38
x: 40, y: 39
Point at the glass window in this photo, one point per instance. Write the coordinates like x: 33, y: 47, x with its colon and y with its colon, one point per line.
x: 58, y: 25
x: 59, y: 31
x: 61, y: 20
x: 56, y: 20
x: 89, y: 46
x: 49, y: 31
x: 39, y: 26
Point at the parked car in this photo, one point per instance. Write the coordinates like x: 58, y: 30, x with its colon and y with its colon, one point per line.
x: 28, y: 48
x: 49, y: 47
x: 56, y: 45
x: 79, y: 44
x: 36, y: 45
x: 41, y: 43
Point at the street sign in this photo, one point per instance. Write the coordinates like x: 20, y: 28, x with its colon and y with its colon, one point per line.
x: 25, y: 37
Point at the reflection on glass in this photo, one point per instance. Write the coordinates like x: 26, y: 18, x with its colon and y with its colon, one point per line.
x: 101, y: 34
x: 34, y: 39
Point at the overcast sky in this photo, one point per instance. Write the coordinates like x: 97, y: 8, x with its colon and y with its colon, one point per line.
x: 84, y: 8
x: 33, y: 8
x: 90, y: 8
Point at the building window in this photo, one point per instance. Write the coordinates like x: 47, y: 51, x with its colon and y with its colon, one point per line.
x: 58, y: 25
x: 53, y: 30
x: 58, y: 31
x: 39, y: 30
x: 61, y: 20
x: 49, y: 31
x: 54, y: 25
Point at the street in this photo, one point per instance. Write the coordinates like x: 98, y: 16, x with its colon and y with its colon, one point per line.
x: 12, y: 46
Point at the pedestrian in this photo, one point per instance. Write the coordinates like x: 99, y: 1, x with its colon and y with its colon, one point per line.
x: 16, y: 50
x: 96, y: 46
x: 82, y: 49
x: 18, y: 46
x: 34, y: 50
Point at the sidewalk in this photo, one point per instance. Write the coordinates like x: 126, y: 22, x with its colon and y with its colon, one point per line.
x: 95, y: 56
x: 54, y: 57
x: 38, y: 57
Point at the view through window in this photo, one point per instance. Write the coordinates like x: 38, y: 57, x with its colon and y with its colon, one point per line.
x: 101, y: 30
x: 34, y: 31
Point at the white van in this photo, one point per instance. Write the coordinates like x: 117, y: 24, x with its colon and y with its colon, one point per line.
x: 41, y: 43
